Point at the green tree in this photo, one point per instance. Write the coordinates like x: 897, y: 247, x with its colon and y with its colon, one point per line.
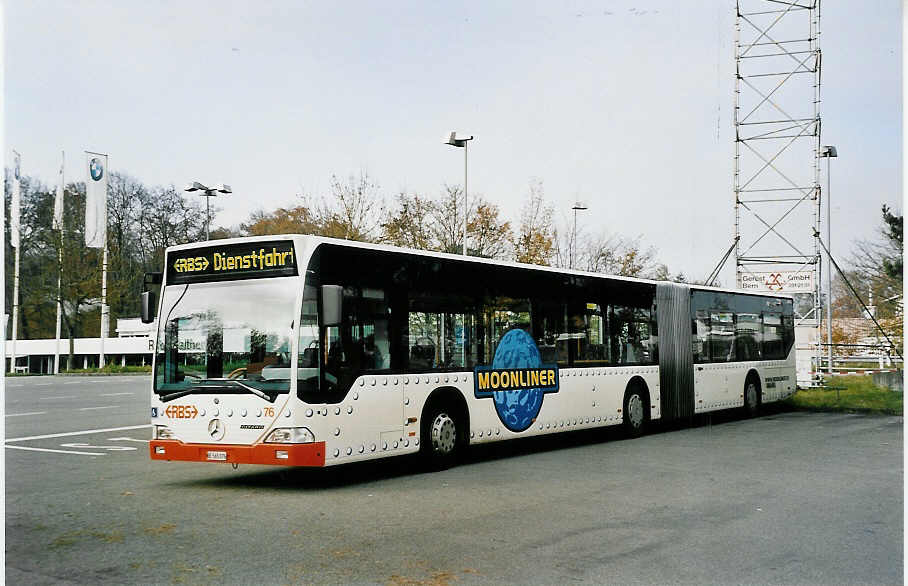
x: 142, y: 222
x: 893, y: 231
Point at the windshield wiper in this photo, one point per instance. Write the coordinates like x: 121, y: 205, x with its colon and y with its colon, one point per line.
x: 177, y: 395
x: 256, y: 392
x: 205, y: 384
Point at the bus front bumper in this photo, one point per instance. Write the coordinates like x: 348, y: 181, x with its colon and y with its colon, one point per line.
x: 272, y: 454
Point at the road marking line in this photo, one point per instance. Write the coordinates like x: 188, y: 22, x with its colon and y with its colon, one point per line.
x: 128, y: 439
x: 93, y: 408
x: 69, y: 433
x: 43, y: 384
x: 108, y: 448
x: 113, y: 394
x: 60, y: 397
x: 75, y: 383
x: 56, y: 451
x: 29, y: 413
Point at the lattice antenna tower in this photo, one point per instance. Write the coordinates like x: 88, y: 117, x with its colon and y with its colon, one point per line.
x: 777, y: 149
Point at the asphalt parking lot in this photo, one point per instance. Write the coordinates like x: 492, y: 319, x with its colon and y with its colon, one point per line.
x: 785, y: 498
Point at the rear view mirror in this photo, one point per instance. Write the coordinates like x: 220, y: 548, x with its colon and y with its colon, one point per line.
x: 149, y: 299
x: 332, y: 304
x: 149, y: 306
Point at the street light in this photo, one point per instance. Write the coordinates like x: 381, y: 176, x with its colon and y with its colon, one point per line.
x: 828, y: 152
x: 462, y: 142
x: 577, y: 206
x: 207, y: 193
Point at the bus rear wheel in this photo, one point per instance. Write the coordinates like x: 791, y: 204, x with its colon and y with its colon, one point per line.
x: 635, y: 411
x: 440, y: 441
x: 751, y: 397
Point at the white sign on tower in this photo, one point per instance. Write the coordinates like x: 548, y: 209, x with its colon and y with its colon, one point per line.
x: 777, y: 282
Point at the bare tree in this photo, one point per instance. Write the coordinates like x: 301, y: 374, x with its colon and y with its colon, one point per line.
x: 536, y: 238
x: 446, y: 219
x: 878, y: 264
x: 611, y: 254
x: 409, y: 224
x: 354, y: 210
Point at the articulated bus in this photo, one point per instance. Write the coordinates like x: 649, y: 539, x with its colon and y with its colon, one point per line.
x: 310, y: 351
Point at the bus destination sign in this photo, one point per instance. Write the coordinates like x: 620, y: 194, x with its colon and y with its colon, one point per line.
x: 250, y: 260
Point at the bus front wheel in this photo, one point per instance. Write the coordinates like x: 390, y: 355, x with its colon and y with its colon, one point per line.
x: 440, y: 437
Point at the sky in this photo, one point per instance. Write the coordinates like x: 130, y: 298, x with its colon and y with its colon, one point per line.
x: 624, y: 105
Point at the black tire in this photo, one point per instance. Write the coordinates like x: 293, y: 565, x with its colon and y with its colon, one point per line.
x: 753, y: 397
x: 441, y: 437
x: 635, y: 411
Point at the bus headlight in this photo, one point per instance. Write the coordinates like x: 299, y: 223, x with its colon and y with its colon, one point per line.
x: 290, y: 435
x: 162, y: 432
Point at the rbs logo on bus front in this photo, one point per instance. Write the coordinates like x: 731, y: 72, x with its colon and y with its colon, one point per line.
x: 516, y: 381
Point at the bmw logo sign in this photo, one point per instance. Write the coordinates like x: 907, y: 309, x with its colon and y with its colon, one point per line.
x: 96, y: 168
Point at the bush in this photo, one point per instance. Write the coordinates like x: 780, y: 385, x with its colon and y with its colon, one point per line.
x: 109, y: 369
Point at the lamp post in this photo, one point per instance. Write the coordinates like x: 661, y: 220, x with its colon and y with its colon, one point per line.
x: 577, y: 206
x: 207, y: 193
x: 462, y: 142
x: 829, y: 152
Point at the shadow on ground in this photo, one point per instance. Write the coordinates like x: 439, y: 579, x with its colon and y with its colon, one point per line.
x: 395, y: 467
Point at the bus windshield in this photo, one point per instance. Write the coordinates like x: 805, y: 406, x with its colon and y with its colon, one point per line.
x: 226, y: 337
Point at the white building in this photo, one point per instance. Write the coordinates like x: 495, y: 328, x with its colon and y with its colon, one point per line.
x: 133, y: 346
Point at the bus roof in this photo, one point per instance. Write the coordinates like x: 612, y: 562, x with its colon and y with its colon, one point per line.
x: 316, y: 240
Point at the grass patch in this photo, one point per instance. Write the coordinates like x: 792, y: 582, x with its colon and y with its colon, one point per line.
x: 855, y: 394
x: 109, y: 369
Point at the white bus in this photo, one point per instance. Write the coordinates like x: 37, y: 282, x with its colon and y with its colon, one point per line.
x: 309, y: 351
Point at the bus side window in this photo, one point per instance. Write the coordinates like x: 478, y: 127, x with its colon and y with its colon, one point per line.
x: 424, y: 339
x: 307, y: 359
x: 748, y: 336
x: 440, y: 332
x: 773, y: 336
x: 589, y: 339
x: 548, y: 331
x: 722, y: 336
x: 630, y: 330
x: 654, y: 335
x: 372, y: 314
x: 701, y: 336
x: 501, y: 315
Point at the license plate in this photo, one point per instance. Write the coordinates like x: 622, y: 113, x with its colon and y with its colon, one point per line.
x: 217, y: 455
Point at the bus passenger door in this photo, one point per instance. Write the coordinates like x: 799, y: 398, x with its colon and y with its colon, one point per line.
x: 378, y: 396
x: 374, y: 316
